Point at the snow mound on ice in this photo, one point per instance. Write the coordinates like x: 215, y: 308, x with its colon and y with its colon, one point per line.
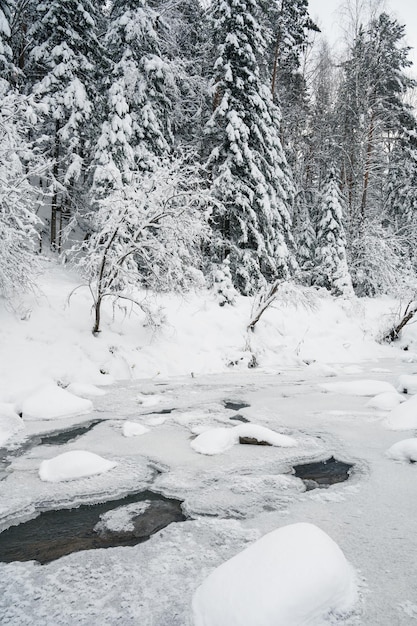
x: 407, y: 384
x: 121, y: 519
x: 132, y: 429
x: 385, y: 401
x: 52, y: 402
x: 218, y: 440
x: 405, y: 450
x: 85, y: 390
x: 404, y: 416
x: 10, y: 422
x: 72, y: 465
x: 294, y: 576
x: 359, y: 387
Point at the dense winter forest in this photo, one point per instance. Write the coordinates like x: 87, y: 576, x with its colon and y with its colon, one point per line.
x: 165, y: 144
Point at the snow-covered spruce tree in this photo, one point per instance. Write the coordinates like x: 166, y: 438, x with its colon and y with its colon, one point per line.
x: 331, y: 265
x: 62, y: 64
x: 249, y: 173
x: 147, y: 235
x: 305, y: 239
x: 18, y: 222
x: 140, y: 90
x: 5, y: 33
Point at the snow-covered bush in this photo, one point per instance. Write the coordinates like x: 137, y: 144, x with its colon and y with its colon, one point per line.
x: 148, y: 234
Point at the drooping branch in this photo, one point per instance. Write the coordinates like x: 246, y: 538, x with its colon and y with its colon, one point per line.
x: 394, y: 332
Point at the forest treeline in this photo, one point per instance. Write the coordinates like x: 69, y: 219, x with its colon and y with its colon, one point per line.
x: 164, y: 144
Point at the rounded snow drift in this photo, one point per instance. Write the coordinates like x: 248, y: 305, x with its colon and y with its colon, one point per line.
x: 293, y: 576
x: 405, y: 450
x: 52, y: 402
x: 73, y: 465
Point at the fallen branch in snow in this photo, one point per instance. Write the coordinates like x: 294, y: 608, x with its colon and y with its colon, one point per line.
x: 394, y: 332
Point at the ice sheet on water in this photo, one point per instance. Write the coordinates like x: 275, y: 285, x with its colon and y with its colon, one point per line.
x: 122, y: 586
x: 133, y: 429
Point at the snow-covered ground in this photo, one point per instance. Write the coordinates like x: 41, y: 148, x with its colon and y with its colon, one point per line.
x: 323, y: 388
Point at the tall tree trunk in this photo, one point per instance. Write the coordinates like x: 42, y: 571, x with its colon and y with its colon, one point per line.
x: 367, y: 166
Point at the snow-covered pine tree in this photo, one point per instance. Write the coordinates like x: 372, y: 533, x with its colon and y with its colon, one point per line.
x: 331, y: 264
x: 249, y: 173
x: 305, y: 239
x: 63, y: 66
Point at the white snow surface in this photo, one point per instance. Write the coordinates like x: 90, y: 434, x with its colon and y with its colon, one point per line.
x: 73, y: 465
x: 188, y: 368
x: 84, y: 390
x: 218, y: 440
x: 404, y: 416
x: 360, y: 387
x: 294, y: 576
x: 10, y: 422
x: 52, y: 402
x: 133, y: 429
x: 405, y: 450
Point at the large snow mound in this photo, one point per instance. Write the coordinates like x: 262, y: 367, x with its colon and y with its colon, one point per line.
x: 72, y: 465
x: 52, y: 402
x: 10, y: 422
x: 218, y: 440
x: 407, y: 383
x: 405, y: 450
x: 404, y: 416
x: 85, y: 390
x: 359, y: 387
x: 293, y: 576
x: 385, y: 401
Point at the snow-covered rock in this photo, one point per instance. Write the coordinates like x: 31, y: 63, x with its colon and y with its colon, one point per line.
x: 85, y: 390
x: 218, y: 440
x: 293, y: 576
x: 72, y: 465
x: 407, y: 384
x: 405, y: 450
x: 404, y: 416
x: 385, y: 401
x: 133, y: 429
x: 10, y: 422
x: 120, y: 520
x: 359, y: 387
x: 52, y: 402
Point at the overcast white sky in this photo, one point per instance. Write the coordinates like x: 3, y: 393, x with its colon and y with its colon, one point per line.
x: 327, y: 14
